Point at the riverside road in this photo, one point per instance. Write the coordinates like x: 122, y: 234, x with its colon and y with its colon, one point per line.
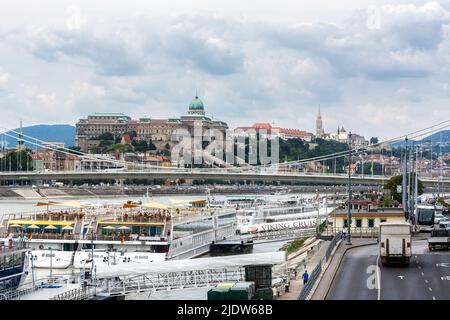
x: 426, y: 278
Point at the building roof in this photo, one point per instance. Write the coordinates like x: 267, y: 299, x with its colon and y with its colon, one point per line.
x: 380, y: 212
x: 126, y: 139
x: 266, y: 126
x: 196, y: 104
x: 276, y: 130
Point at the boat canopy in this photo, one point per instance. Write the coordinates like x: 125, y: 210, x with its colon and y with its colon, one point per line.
x: 130, y: 205
x: 41, y: 222
x: 155, y: 205
x: 44, y: 204
x: 75, y: 204
x: 186, y: 201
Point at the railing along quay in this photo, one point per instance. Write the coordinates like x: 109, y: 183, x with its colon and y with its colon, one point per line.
x: 304, y: 293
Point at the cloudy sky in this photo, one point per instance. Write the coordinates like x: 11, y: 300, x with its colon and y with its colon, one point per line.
x: 379, y: 68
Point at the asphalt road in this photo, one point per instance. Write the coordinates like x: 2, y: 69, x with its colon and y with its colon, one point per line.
x: 426, y: 278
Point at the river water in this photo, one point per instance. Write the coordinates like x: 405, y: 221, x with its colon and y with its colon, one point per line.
x: 28, y: 205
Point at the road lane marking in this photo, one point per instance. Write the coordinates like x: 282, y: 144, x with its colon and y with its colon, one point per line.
x: 378, y: 277
x: 430, y: 289
x: 445, y: 265
x: 426, y: 281
x: 401, y: 277
x: 434, y: 298
x: 419, y: 267
x: 423, y: 274
x: 445, y: 278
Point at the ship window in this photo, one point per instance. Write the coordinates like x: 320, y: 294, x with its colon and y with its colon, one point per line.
x: 18, y: 260
x: 9, y: 262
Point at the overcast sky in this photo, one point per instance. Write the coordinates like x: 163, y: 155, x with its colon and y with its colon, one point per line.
x: 379, y: 68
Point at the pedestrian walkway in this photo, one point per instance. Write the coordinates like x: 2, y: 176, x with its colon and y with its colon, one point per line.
x: 306, y: 261
x: 326, y: 280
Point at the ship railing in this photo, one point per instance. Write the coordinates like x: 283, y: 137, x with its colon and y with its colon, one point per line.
x: 280, y: 234
x: 82, y: 293
x: 16, y: 294
x: 55, y: 236
x: 130, y: 237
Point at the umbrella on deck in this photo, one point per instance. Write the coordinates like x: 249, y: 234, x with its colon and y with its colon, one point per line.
x: 123, y: 228
x: 50, y: 227
x: 15, y: 225
x: 67, y: 228
x: 109, y: 228
x: 33, y: 226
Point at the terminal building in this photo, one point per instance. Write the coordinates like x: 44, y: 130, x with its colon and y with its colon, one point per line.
x: 366, y: 217
x: 158, y: 131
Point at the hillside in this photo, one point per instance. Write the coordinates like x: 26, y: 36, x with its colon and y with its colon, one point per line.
x: 55, y: 133
x: 435, y: 138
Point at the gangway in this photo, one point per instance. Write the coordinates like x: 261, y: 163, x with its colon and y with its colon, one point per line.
x: 122, y: 280
x: 170, y: 281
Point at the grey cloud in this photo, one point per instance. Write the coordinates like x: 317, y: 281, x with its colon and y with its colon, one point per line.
x: 109, y: 57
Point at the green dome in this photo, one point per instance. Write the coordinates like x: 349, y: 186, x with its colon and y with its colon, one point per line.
x: 196, y: 104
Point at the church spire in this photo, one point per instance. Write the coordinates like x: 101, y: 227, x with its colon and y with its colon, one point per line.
x: 319, y: 124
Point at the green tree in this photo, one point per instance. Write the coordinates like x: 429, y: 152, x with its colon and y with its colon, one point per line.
x: 395, y: 181
x: 374, y: 140
x: 106, y: 136
x: 17, y: 161
x: 368, y: 167
x: 122, y: 148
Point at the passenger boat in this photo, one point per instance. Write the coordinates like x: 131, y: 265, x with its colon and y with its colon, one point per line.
x: 13, y: 266
x: 133, y: 233
x: 292, y: 213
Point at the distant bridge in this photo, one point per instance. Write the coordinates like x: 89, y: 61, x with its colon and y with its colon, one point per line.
x: 232, y: 174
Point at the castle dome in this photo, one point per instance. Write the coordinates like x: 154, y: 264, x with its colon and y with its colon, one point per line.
x: 196, y: 104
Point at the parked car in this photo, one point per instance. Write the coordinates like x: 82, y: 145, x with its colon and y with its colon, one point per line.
x: 444, y: 223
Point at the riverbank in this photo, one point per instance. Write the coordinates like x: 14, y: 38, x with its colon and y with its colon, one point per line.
x: 26, y: 192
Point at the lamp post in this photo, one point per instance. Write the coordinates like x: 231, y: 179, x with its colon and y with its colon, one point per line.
x: 404, y: 159
x: 416, y: 183
x: 349, y: 213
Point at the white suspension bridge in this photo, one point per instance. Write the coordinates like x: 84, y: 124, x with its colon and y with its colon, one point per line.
x: 293, y: 171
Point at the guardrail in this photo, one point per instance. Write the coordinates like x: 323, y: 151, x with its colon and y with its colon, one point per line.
x: 74, y: 294
x: 318, y: 269
x: 10, y: 295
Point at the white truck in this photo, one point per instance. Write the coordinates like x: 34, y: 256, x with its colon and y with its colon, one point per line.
x: 439, y: 239
x: 395, y: 242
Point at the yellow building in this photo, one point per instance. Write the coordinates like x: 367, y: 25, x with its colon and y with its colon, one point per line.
x: 365, y: 221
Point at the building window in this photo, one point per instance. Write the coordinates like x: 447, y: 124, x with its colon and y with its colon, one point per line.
x: 359, y: 223
x: 382, y: 220
x: 371, y: 223
x: 345, y: 224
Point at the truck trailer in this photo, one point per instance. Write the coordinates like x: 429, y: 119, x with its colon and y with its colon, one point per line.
x: 395, y: 242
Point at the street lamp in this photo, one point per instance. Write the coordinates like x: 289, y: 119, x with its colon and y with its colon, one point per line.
x: 349, y: 213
